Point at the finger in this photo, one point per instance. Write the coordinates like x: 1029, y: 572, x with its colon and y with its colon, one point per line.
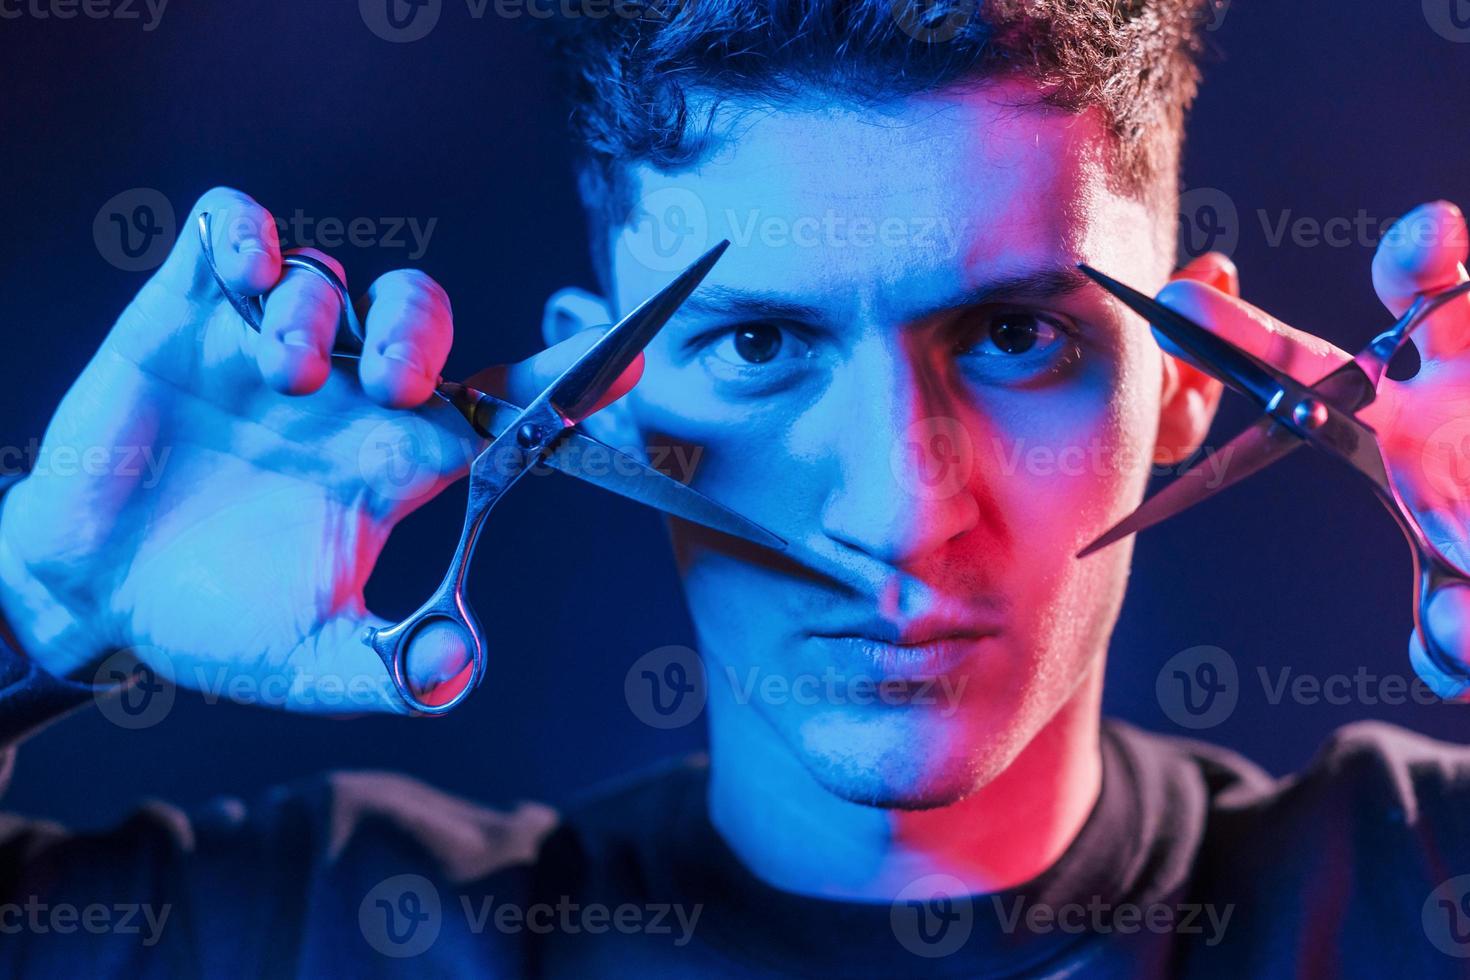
x: 520, y: 383
x: 247, y: 250
x: 247, y: 253
x: 410, y: 328
x: 1296, y: 352
x: 1213, y: 269
x: 337, y: 673
x: 1425, y: 252
x: 298, y: 329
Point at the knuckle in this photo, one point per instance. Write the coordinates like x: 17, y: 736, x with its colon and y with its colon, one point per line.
x: 300, y: 297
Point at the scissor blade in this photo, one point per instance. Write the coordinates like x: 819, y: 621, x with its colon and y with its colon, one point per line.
x: 619, y: 473
x: 1351, y: 386
x: 1239, y: 369
x: 585, y: 382
x: 1250, y: 452
x: 590, y: 460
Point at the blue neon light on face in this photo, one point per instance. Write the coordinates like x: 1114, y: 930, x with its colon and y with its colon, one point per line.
x: 897, y: 367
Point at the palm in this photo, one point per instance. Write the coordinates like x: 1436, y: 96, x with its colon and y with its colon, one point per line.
x: 239, y: 524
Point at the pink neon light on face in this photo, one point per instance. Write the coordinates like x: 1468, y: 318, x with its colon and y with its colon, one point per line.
x: 897, y: 367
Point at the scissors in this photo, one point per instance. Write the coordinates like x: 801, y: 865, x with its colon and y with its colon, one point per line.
x: 543, y: 432
x: 1323, y: 415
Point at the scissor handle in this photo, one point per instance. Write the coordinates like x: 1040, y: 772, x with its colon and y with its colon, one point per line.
x: 350, y: 335
x: 447, y: 606
x: 393, y: 644
x: 1433, y: 574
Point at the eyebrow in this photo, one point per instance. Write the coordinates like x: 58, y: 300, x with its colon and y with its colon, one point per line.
x: 1037, y: 284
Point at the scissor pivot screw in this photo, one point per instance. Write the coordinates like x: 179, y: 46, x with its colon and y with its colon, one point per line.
x: 530, y: 436
x: 1309, y: 413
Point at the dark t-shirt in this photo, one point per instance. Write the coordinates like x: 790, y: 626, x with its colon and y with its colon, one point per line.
x: 1193, y: 863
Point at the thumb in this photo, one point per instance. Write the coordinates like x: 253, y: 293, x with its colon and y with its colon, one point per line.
x: 521, y: 382
x: 336, y: 672
x: 1213, y: 269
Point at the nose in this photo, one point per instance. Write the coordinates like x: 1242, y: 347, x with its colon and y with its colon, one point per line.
x: 901, y: 458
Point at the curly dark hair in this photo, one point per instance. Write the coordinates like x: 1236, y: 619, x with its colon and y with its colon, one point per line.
x: 645, y: 76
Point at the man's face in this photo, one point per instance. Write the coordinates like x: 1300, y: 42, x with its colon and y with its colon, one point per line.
x: 897, y: 367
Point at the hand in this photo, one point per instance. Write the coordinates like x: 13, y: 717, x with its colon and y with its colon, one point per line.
x: 1423, y: 423
x: 227, y: 493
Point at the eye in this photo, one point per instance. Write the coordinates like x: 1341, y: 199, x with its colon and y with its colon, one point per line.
x: 1013, y: 332
x: 1015, y: 344
x: 756, y: 343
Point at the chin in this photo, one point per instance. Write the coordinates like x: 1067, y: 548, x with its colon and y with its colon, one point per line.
x: 901, y: 758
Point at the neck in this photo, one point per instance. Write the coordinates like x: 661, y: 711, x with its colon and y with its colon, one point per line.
x: 797, y: 835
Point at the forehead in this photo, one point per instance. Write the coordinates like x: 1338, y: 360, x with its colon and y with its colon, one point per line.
x: 879, y: 204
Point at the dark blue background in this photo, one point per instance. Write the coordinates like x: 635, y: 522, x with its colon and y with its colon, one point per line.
x: 1320, y: 108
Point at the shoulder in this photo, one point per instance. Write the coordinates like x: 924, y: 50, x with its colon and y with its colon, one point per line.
x: 1367, y: 764
x: 1351, y: 846
x: 339, y: 822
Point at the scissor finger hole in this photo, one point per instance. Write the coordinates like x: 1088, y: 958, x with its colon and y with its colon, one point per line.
x: 439, y: 661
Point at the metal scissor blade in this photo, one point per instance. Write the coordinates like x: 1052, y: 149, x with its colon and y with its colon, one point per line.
x: 1250, y: 452
x: 1229, y: 364
x: 592, y: 461
x: 1351, y: 386
x: 621, y: 474
x: 581, y: 386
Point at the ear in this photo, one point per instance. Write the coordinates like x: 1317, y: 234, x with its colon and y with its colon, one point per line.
x: 568, y: 312
x: 1190, y: 396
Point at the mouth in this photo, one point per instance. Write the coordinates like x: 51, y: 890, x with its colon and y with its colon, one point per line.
x: 888, y: 653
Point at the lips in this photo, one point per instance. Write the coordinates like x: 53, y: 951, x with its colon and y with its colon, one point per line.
x: 915, y: 650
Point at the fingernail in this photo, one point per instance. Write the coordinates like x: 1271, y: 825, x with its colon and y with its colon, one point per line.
x: 404, y: 353
x: 300, y: 339
x: 1212, y: 269
x: 251, y: 246
x: 246, y: 238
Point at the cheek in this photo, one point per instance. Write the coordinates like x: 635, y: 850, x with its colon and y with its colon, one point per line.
x: 738, y: 452
x: 1065, y: 466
